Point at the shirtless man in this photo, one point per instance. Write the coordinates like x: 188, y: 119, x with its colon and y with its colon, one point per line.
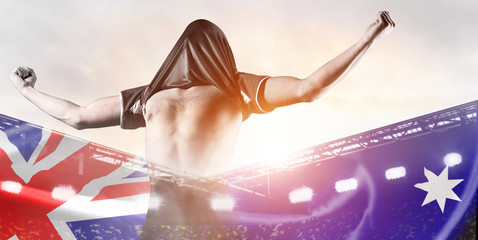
x: 194, y: 107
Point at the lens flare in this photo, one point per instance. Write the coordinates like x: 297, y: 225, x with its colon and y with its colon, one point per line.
x: 396, y: 172
x: 346, y: 185
x: 222, y: 204
x: 452, y: 159
x: 11, y: 187
x: 303, y: 194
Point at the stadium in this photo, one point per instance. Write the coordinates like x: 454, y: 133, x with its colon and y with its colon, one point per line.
x: 374, y: 185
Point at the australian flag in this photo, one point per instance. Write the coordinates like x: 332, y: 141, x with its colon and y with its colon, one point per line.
x: 416, y: 179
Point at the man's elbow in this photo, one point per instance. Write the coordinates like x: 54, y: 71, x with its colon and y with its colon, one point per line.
x: 309, y: 92
x: 76, y: 120
x: 76, y: 124
x: 79, y: 126
x: 310, y: 97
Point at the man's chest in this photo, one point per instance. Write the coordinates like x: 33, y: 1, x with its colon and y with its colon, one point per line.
x: 200, y: 104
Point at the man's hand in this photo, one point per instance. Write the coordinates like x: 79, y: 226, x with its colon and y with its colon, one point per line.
x: 23, y: 77
x: 381, y: 27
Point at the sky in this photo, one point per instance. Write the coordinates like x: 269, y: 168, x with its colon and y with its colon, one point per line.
x: 85, y: 50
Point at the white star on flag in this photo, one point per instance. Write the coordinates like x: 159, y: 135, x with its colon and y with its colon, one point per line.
x: 439, y: 188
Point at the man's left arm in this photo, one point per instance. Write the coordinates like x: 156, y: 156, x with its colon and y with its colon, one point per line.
x: 283, y: 91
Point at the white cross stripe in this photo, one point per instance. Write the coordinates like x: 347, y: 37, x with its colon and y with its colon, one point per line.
x: 81, y: 207
x: 26, y: 170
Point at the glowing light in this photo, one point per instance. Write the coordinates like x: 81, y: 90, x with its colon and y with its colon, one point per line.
x: 222, y: 203
x: 396, y: 172
x: 452, y: 159
x: 155, y: 202
x: 63, y: 193
x: 11, y: 187
x: 346, y: 185
x: 303, y: 194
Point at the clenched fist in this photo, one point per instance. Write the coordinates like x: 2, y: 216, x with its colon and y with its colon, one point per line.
x: 381, y: 27
x: 23, y: 77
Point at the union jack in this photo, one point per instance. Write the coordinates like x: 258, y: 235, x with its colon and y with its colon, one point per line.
x: 55, y: 186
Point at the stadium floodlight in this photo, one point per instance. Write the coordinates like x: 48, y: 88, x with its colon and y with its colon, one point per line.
x: 11, y: 187
x: 155, y: 201
x: 395, y: 173
x: 346, y: 185
x: 63, y: 193
x: 222, y: 204
x: 300, y: 195
x: 452, y: 159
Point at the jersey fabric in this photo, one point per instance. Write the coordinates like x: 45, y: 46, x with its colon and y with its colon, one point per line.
x: 202, y: 56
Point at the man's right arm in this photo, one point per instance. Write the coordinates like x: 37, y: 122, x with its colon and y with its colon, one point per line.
x: 103, y: 112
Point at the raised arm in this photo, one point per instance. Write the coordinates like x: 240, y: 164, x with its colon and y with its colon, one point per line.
x: 282, y: 91
x: 103, y: 112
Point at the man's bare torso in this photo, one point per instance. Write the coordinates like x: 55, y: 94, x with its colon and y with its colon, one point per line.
x: 192, y: 130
